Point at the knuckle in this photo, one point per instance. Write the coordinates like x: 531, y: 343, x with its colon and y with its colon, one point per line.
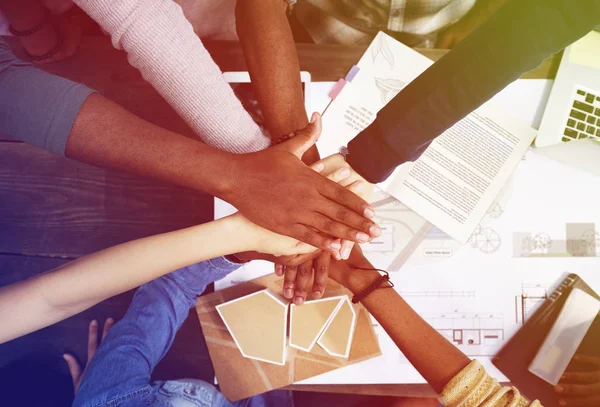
x: 304, y: 271
x: 327, y: 225
x: 340, y: 195
x: 309, y: 237
x: 342, y: 214
x: 323, y: 270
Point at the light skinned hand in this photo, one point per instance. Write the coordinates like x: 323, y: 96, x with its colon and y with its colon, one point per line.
x: 279, y: 192
x: 74, y: 368
x: 267, y: 242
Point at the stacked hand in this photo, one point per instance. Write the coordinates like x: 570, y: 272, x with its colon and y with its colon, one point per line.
x: 299, y: 275
x: 276, y: 190
x: 324, y: 205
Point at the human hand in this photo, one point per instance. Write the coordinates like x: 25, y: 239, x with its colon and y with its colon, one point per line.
x: 74, y: 368
x: 264, y: 241
x: 278, y: 192
x: 297, y: 278
x: 283, y: 261
x: 580, y: 387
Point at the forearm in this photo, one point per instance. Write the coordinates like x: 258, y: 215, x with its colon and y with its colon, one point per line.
x: 54, y: 296
x: 106, y: 135
x: 436, y: 359
x: 270, y: 53
x: 514, y: 40
x: 162, y: 44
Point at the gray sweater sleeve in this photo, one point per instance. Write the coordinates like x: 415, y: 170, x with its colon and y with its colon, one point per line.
x: 37, y: 107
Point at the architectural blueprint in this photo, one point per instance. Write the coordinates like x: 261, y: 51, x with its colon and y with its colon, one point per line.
x: 477, y: 295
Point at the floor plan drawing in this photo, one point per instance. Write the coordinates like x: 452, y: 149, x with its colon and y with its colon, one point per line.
x: 474, y: 334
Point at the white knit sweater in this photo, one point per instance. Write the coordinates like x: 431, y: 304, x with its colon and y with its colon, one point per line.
x: 161, y: 43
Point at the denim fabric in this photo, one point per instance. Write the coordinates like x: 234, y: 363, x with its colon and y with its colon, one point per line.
x: 119, y: 373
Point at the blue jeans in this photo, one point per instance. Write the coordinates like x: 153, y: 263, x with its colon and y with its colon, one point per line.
x: 119, y: 373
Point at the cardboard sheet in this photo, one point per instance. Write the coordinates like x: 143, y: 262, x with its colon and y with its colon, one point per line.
x: 308, y: 321
x: 240, y: 377
x: 337, y: 337
x: 257, y: 323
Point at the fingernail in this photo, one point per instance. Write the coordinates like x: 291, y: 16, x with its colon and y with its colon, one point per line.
x: 316, y: 294
x: 289, y: 293
x: 345, y: 253
x: 94, y: 322
x: 375, y: 231
x: 562, y: 403
x: 369, y: 213
x: 362, y: 237
x: 559, y: 389
x: 319, y: 167
x: 344, y: 173
x: 298, y: 300
x: 313, y: 118
x: 279, y: 270
x: 335, y: 245
x: 110, y: 320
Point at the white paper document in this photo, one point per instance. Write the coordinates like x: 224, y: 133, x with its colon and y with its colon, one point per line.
x: 457, y: 178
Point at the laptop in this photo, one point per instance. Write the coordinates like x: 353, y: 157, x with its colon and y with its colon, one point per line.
x: 571, y: 120
x: 573, y: 109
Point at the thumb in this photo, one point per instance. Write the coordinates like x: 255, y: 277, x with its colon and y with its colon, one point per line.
x: 305, y: 138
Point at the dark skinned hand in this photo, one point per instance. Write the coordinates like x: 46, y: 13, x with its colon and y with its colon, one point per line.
x: 298, y: 278
x: 580, y: 384
x: 275, y: 180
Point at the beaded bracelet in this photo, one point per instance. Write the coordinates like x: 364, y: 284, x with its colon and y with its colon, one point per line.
x: 283, y: 138
x: 385, y: 278
x: 34, y: 29
x: 49, y: 54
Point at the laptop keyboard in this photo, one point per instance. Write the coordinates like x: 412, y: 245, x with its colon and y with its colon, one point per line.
x: 584, y: 119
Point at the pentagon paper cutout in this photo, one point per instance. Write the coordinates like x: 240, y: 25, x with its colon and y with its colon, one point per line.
x: 309, y: 320
x: 257, y: 323
x: 337, y: 337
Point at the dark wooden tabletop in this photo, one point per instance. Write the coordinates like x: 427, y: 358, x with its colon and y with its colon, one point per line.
x: 53, y: 209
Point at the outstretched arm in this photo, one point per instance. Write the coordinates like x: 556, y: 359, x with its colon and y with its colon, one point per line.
x: 161, y: 43
x: 436, y: 359
x: 53, y: 296
x: 270, y: 53
x: 460, y: 381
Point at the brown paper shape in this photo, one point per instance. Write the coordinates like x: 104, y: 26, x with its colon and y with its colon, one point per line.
x: 257, y: 323
x: 337, y: 336
x: 240, y: 377
x: 309, y: 320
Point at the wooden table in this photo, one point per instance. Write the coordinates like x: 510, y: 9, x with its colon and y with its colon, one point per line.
x: 53, y: 209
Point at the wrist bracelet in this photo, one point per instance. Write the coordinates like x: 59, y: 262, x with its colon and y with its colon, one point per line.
x: 49, y: 54
x: 383, y: 279
x: 34, y: 29
x: 284, y: 138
